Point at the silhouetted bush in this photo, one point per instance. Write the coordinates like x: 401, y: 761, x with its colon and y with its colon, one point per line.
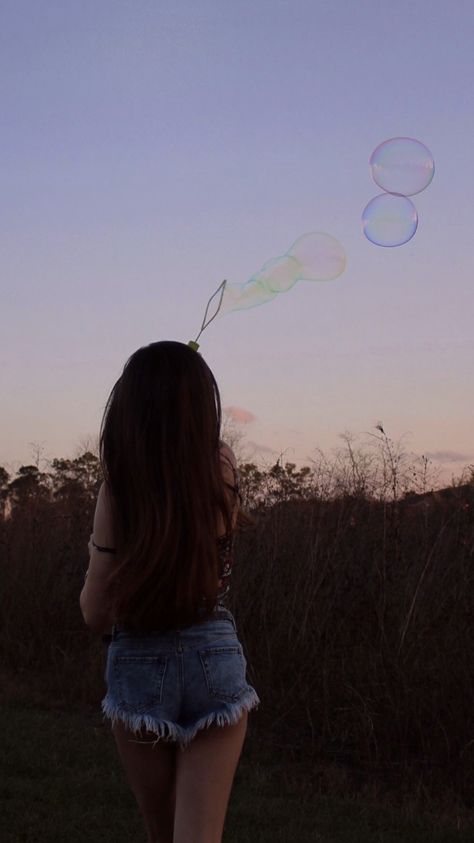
x: 356, y: 614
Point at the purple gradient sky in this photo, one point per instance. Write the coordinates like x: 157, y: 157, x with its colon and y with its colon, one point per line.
x: 151, y: 149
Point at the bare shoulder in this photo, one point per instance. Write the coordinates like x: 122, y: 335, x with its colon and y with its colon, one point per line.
x: 102, y: 529
x: 228, y: 461
x: 227, y: 453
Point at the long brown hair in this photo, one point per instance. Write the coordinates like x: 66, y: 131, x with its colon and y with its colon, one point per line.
x: 160, y: 457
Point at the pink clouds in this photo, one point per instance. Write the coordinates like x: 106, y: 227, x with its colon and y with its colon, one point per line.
x: 239, y: 415
x: 263, y: 448
x: 449, y: 456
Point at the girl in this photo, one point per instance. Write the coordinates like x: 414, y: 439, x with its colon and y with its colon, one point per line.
x: 159, y: 573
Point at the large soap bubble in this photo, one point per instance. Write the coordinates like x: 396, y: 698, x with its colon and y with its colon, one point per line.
x: 402, y: 165
x: 389, y: 220
x: 314, y: 256
x: 279, y: 274
x: 244, y: 296
x: 321, y: 256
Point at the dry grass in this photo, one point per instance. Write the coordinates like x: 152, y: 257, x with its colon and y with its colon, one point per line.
x: 355, y: 608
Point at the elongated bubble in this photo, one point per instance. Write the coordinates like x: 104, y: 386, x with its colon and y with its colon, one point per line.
x: 314, y: 256
x: 279, y: 274
x: 389, y: 220
x: 244, y: 296
x: 321, y: 256
x: 402, y: 165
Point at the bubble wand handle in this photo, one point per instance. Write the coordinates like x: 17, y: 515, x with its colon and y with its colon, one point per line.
x: 194, y: 343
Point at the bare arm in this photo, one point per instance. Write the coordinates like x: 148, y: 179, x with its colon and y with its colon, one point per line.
x: 230, y: 474
x: 93, y: 599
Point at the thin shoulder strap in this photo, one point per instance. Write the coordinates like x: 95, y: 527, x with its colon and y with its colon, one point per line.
x: 104, y: 549
x: 236, y: 488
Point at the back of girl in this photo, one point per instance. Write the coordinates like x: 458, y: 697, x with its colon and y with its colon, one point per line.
x: 159, y: 575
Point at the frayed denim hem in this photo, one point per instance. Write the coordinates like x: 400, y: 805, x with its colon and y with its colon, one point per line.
x: 168, y: 731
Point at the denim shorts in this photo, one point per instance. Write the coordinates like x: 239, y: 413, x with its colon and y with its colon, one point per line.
x: 176, y: 682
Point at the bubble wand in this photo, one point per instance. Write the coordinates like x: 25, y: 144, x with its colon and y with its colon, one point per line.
x: 314, y: 256
x: 194, y: 343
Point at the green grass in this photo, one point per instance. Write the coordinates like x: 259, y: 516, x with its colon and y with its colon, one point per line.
x: 61, y: 780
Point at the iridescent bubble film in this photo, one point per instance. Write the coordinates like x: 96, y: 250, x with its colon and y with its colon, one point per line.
x: 402, y: 165
x: 279, y: 274
x: 389, y: 220
x: 321, y: 256
x: 315, y: 256
x: 244, y: 296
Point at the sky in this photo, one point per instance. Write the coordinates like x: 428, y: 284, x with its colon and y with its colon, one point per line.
x: 151, y: 149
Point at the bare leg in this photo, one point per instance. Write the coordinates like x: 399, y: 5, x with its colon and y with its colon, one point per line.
x: 151, y: 774
x: 204, y: 776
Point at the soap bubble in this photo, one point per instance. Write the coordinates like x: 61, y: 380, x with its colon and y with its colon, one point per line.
x: 389, y: 220
x: 279, y: 274
x: 312, y: 257
x: 402, y: 165
x: 243, y: 296
x: 321, y: 256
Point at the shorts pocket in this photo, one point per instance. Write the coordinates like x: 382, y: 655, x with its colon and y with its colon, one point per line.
x: 224, y: 669
x: 139, y: 681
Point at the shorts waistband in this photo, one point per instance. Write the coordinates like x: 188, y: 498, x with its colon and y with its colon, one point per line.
x: 219, y: 613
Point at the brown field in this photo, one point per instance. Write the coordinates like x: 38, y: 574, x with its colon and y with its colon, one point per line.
x: 355, y: 611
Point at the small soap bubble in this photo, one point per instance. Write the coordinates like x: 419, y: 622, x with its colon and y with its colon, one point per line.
x: 244, y: 296
x: 402, y: 165
x: 279, y: 274
x: 321, y: 256
x: 389, y: 220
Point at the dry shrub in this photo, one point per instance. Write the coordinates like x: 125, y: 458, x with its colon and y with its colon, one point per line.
x: 355, y: 613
